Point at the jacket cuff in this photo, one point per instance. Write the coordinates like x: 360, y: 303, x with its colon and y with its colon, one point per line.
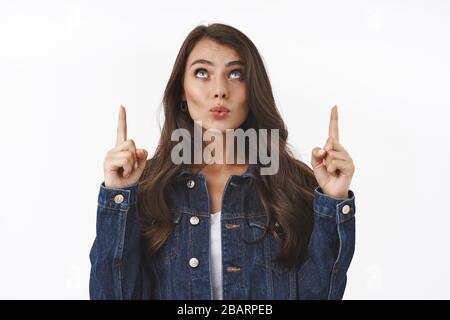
x: 338, y: 210
x: 119, y: 199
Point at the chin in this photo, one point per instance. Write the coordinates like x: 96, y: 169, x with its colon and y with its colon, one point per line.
x: 221, y: 126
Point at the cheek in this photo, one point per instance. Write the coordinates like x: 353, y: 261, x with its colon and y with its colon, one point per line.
x: 195, y: 94
x: 240, y: 96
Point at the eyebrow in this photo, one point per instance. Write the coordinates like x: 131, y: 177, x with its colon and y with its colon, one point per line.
x: 231, y: 63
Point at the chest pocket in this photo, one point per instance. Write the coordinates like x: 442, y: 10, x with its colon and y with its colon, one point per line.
x: 254, y: 240
x: 263, y: 253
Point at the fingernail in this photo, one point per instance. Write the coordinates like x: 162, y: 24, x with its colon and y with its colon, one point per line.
x: 321, y: 151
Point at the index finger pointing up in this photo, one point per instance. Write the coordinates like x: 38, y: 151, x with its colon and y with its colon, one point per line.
x: 122, y: 127
x: 333, y: 130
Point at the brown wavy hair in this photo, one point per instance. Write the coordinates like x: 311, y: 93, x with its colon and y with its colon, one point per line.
x: 287, y: 197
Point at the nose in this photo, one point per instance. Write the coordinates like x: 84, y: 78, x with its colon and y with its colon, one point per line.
x: 220, y: 89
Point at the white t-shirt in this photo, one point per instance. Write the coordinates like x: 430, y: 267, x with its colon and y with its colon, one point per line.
x: 216, y: 256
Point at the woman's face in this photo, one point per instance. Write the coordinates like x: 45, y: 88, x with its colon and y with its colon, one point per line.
x: 214, y: 77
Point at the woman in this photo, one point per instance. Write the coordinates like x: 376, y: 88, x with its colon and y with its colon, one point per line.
x: 216, y: 230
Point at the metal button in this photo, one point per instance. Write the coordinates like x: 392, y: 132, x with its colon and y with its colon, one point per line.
x: 194, y: 220
x: 193, y: 262
x: 190, y: 184
x: 346, y: 209
x: 118, y: 198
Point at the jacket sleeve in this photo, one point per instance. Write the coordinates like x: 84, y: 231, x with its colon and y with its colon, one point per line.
x: 330, y: 249
x: 116, y: 268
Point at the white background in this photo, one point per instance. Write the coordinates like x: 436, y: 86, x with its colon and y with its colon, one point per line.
x: 66, y: 66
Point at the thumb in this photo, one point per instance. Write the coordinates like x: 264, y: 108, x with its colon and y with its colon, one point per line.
x: 320, y: 170
x: 317, y: 156
x: 142, y: 154
x: 142, y: 157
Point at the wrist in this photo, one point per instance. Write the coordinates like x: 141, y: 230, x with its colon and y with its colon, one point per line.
x: 337, y: 196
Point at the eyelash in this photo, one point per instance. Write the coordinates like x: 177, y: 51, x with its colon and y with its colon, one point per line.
x: 202, y: 69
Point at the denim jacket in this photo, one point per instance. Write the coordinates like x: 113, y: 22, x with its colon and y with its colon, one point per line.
x: 181, y: 268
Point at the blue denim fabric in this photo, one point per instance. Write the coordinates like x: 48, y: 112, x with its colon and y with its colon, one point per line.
x: 119, y: 270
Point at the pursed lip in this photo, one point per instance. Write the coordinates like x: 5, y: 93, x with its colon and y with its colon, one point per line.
x: 219, y: 108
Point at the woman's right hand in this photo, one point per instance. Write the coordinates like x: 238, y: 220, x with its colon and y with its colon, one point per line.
x: 124, y: 164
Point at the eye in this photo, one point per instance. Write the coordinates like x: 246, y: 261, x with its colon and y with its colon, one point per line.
x: 200, y: 70
x: 239, y: 72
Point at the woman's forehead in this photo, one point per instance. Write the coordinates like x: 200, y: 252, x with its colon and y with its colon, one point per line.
x: 212, y: 51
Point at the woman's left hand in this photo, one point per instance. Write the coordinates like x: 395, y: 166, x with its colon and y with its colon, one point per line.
x: 333, y: 167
